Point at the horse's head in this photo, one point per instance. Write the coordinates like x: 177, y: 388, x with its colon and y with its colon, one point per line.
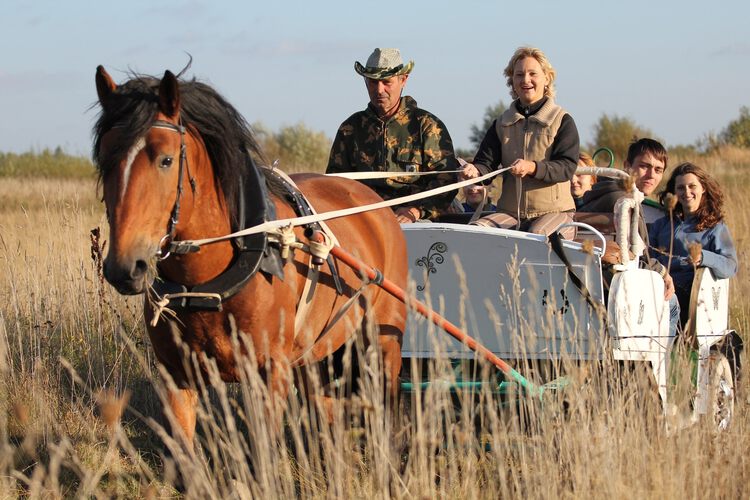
x: 138, y: 149
x: 153, y: 137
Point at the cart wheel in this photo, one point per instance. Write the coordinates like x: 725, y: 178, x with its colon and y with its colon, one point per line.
x: 721, y: 390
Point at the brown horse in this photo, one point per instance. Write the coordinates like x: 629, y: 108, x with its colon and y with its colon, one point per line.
x: 176, y: 163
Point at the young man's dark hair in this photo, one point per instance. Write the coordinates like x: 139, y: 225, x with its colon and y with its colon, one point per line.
x: 646, y: 145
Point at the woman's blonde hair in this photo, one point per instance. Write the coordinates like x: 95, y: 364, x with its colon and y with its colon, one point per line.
x: 586, y: 159
x: 549, y: 71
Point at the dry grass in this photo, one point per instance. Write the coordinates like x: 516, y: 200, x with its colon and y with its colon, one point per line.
x: 70, y: 348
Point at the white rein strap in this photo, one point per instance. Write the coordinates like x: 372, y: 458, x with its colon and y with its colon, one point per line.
x: 627, y: 217
x: 603, y: 172
x: 314, y: 249
x: 363, y: 176
x: 273, y: 226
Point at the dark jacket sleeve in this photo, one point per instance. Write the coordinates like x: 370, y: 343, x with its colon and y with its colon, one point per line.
x: 564, y: 156
x: 439, y: 156
x: 489, y: 155
x: 604, y: 203
x: 338, y: 161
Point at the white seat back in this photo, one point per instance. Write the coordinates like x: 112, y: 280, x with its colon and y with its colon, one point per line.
x: 638, y: 314
x: 639, y: 322
x: 712, y: 307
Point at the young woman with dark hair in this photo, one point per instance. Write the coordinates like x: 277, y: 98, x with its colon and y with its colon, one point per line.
x: 694, y: 233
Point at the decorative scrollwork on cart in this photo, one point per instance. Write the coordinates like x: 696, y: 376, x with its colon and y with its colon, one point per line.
x: 434, y: 256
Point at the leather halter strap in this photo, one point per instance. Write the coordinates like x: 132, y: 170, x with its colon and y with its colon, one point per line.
x: 174, y: 217
x: 251, y: 252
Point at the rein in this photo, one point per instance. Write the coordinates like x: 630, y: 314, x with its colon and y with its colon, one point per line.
x: 363, y: 176
x: 275, y: 226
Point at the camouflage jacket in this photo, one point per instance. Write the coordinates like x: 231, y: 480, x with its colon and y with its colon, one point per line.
x: 412, y: 140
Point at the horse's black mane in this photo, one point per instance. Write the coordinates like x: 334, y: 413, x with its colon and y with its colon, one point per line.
x: 228, y: 138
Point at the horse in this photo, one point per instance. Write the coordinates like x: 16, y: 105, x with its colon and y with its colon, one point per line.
x: 177, y: 162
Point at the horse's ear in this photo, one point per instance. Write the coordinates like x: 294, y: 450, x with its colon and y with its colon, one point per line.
x: 169, y: 95
x: 105, y: 86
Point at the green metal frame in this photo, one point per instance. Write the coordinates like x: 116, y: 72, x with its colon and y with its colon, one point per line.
x: 605, y: 150
x: 500, y: 387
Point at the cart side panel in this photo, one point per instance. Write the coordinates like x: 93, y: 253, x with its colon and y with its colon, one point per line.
x: 505, y: 288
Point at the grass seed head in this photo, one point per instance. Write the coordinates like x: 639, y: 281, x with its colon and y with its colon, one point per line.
x: 21, y: 414
x: 628, y: 184
x: 111, y: 407
x: 695, y: 250
x: 588, y: 247
x: 670, y: 202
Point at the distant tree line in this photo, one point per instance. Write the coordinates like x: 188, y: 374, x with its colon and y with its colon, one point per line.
x: 737, y: 132
x: 298, y: 148
x: 617, y: 132
x: 477, y: 132
x: 45, y: 163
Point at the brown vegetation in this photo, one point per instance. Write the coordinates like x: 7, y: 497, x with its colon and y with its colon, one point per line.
x: 73, y: 354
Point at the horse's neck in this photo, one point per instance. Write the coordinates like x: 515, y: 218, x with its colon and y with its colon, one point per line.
x: 205, y: 216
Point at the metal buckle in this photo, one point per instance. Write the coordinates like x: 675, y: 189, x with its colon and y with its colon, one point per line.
x: 166, y: 239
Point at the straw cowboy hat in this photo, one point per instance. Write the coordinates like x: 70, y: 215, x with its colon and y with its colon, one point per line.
x: 382, y: 64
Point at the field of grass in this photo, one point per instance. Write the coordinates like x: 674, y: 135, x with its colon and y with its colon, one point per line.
x: 52, y: 164
x: 80, y: 399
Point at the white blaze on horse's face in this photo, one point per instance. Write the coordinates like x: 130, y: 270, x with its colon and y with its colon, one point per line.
x: 132, y: 153
x: 140, y: 190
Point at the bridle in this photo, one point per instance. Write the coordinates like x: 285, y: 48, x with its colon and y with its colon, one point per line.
x: 183, y: 165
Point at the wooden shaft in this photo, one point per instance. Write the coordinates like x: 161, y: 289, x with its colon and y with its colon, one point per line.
x: 376, y: 277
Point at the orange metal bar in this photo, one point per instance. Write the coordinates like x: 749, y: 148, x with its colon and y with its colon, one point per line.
x: 376, y: 277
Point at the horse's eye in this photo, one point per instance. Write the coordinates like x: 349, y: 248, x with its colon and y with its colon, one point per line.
x: 166, y: 162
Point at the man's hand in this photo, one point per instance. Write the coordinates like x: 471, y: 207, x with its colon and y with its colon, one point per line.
x: 469, y: 172
x: 405, y: 215
x: 522, y: 168
x: 668, y: 287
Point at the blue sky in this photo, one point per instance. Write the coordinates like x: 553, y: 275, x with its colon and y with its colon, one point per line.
x: 679, y: 68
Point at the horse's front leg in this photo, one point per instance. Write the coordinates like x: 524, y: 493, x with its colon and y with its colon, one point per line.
x: 182, y: 405
x: 389, y: 340
x: 279, y: 381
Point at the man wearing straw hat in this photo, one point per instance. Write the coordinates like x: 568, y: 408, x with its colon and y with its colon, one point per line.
x: 393, y: 135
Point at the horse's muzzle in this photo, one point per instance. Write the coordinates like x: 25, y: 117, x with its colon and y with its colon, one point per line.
x: 128, y: 278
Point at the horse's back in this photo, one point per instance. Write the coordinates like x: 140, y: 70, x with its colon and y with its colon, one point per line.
x: 373, y: 234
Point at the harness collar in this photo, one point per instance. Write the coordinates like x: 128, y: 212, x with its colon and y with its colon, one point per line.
x: 251, y: 252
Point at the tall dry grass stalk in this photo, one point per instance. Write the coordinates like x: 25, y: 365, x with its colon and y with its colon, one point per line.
x: 72, y: 352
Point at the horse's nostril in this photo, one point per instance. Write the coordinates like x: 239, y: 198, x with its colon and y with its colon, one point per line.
x: 107, y: 271
x: 126, y: 278
x: 140, y: 268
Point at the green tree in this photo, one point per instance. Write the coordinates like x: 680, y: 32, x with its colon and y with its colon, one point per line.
x: 297, y: 147
x: 616, y: 133
x: 478, y: 131
x: 737, y: 132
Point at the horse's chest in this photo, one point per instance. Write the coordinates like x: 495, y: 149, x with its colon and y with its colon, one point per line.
x: 259, y: 319
x: 207, y: 335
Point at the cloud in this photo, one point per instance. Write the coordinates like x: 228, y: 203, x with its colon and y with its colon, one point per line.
x: 23, y: 82
x: 35, y: 21
x: 741, y: 49
x: 187, y: 38
x: 187, y: 10
x: 240, y: 44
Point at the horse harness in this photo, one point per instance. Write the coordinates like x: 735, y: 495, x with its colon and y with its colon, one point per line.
x: 252, y: 253
x: 183, y: 165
